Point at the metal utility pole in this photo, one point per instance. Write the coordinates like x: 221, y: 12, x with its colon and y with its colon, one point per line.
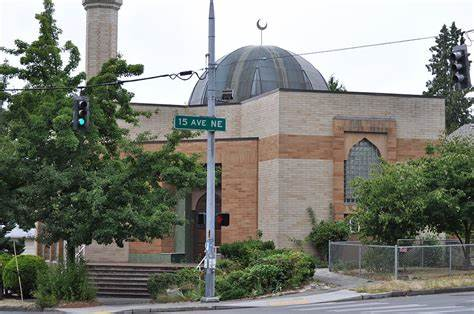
x: 210, y: 261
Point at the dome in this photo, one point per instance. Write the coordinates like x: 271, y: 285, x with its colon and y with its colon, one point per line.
x: 253, y: 70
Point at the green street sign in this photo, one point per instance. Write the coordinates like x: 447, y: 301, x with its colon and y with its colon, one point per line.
x: 199, y: 123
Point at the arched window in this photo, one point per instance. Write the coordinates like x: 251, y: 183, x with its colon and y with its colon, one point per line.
x: 361, y: 160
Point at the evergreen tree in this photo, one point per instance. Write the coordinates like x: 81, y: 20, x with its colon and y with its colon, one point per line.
x: 84, y: 186
x: 334, y: 85
x: 457, y: 104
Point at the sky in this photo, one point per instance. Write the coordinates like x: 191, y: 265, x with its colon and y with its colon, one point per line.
x: 168, y: 36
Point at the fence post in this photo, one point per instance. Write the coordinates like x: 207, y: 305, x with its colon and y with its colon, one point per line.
x: 329, y: 256
x: 422, y: 257
x: 360, y: 259
x: 450, y: 259
x: 396, y: 262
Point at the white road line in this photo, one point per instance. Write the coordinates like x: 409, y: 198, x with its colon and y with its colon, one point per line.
x: 463, y: 309
x: 378, y: 309
x: 321, y: 304
x: 438, y: 310
x: 325, y: 307
x: 419, y: 309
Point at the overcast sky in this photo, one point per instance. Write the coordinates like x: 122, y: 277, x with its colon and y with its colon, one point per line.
x: 171, y: 36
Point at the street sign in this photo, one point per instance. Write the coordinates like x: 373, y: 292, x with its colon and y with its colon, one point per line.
x: 199, y: 123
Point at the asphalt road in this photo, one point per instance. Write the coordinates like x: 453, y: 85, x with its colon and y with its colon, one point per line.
x: 439, y: 303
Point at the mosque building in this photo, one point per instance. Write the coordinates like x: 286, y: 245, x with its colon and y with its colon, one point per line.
x: 290, y: 144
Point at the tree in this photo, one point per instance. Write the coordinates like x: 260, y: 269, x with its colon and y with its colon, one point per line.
x: 334, y: 85
x: 84, y: 186
x: 391, y: 202
x: 434, y: 192
x: 449, y: 173
x: 457, y: 104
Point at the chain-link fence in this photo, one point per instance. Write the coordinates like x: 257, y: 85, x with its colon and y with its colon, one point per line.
x: 400, y: 262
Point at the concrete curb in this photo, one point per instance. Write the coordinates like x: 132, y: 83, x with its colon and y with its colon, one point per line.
x: 184, y: 309
x: 395, y: 294
x: 199, y: 307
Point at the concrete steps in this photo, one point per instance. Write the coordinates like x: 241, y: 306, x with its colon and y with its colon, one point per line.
x: 126, y: 280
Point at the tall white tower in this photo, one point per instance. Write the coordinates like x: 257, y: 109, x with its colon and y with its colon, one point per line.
x: 101, y: 33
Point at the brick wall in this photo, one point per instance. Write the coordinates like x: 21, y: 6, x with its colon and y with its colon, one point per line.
x: 239, y: 161
x: 101, y: 33
x: 107, y: 253
x: 312, y: 113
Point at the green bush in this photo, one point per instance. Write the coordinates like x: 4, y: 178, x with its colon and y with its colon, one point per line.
x: 264, y: 278
x: 326, y: 231
x: 188, y: 280
x: 4, y: 258
x: 246, y: 252
x: 29, y: 266
x: 296, y: 267
x: 226, y: 265
x: 190, y: 283
x: 233, y: 285
x: 158, y: 283
x: 64, y: 282
x: 272, y: 272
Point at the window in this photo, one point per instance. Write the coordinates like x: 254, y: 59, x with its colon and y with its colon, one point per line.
x: 362, y: 158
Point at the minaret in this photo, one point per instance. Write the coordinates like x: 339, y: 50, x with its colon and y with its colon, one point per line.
x: 101, y: 33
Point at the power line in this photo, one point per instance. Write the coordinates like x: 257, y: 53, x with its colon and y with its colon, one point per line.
x: 183, y: 75
x: 338, y: 49
x: 186, y: 75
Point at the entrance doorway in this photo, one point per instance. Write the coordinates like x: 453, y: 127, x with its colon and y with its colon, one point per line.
x: 199, y: 226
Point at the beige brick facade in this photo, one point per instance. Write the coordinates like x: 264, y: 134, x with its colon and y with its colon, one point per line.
x: 284, y: 151
x: 303, y: 138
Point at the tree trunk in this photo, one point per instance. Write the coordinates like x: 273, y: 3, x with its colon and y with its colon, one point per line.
x: 70, y: 253
x: 467, y: 250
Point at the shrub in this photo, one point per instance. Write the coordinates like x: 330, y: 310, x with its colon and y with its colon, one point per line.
x: 28, y: 266
x: 64, y: 282
x: 296, y: 267
x: 233, y: 285
x: 227, y: 265
x: 326, y: 231
x: 264, y: 278
x: 190, y: 283
x: 4, y: 258
x: 188, y: 280
x: 270, y: 273
x: 246, y: 252
x: 158, y: 283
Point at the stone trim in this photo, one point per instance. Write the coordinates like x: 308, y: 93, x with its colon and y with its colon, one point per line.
x: 356, y: 125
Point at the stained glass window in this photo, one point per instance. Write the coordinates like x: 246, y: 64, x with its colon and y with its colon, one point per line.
x: 362, y: 158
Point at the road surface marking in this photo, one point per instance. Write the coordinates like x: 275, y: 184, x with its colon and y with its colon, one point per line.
x: 325, y: 307
x: 322, y: 304
x: 405, y: 307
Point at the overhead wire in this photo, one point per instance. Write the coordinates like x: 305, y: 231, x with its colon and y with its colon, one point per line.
x: 187, y: 75
x: 183, y: 75
x: 339, y: 49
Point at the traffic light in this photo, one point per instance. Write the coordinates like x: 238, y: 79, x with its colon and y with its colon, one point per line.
x: 81, y: 113
x: 460, y: 67
x: 223, y: 219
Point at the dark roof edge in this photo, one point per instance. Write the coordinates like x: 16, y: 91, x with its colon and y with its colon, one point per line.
x: 179, y: 106
x: 358, y: 93
x: 234, y: 139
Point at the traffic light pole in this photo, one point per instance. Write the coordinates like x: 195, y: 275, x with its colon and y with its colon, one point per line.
x: 210, y: 260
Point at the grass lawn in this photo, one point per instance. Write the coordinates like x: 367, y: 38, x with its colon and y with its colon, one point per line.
x: 453, y: 281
